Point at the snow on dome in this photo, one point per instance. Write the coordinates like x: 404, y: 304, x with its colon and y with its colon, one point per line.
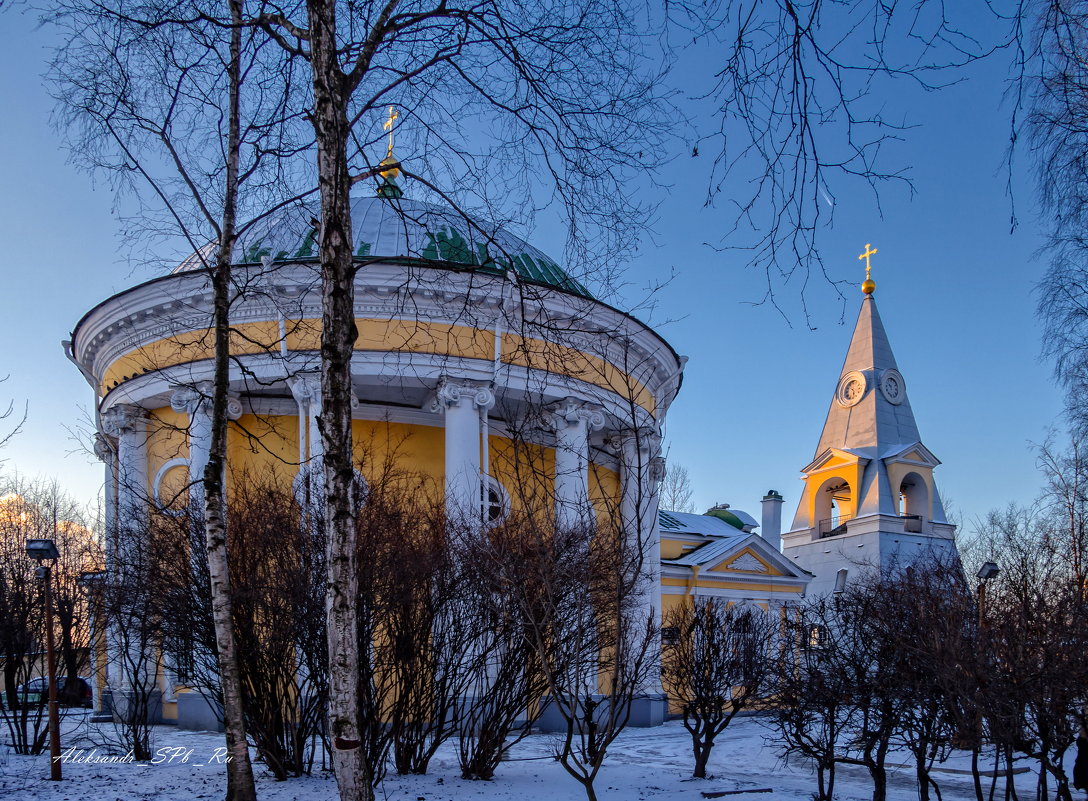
x: 400, y: 229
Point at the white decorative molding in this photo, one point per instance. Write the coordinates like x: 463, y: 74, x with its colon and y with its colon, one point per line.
x: 573, y: 411
x: 156, y: 484
x: 186, y: 400
x: 103, y: 448
x: 123, y: 418
x: 747, y: 563
x: 657, y: 469
x: 305, y: 387
x: 626, y: 440
x: 451, y: 391
x: 180, y: 303
x: 195, y: 400
x: 234, y: 407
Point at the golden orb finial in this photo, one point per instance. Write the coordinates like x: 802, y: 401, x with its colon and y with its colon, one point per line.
x: 868, y: 286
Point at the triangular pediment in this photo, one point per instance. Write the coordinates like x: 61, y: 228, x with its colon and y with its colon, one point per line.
x: 831, y: 458
x: 915, y: 453
x: 746, y: 561
x: 753, y: 557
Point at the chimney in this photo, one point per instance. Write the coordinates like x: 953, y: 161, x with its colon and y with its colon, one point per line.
x: 771, y: 528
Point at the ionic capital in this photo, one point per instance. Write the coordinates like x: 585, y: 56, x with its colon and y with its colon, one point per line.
x: 124, y: 418
x: 571, y: 411
x: 451, y: 392
x: 193, y: 400
x: 187, y: 400
x: 657, y: 469
x: 306, y: 388
x: 642, y: 438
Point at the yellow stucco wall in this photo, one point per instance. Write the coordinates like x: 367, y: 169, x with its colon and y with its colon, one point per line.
x: 266, y: 446
x: 168, y: 439
x: 382, y: 334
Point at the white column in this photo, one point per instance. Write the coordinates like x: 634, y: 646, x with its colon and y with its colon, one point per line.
x: 197, y: 404
x: 641, y: 471
x: 306, y: 389
x: 128, y: 424
x: 194, y: 403
x: 105, y: 450
x: 572, y: 421
x: 461, y: 401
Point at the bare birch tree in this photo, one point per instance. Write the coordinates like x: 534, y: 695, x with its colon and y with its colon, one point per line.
x: 156, y: 91
x: 560, y: 86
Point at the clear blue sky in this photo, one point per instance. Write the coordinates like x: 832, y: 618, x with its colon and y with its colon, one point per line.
x: 954, y: 288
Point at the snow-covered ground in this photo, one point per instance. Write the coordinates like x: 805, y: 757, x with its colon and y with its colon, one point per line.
x: 643, y: 764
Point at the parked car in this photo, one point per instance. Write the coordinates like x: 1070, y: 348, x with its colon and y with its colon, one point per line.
x: 76, y: 692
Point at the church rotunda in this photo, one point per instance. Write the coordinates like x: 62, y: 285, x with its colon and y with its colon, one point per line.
x: 464, y: 332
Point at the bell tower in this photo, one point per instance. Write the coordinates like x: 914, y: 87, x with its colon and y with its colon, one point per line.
x: 869, y: 498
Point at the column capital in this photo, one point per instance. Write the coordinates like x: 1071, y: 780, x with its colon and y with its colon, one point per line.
x: 572, y: 410
x: 187, y: 400
x: 192, y: 400
x: 657, y: 469
x: 305, y: 387
x: 103, y: 448
x: 124, y: 418
x: 453, y: 391
x: 643, y: 437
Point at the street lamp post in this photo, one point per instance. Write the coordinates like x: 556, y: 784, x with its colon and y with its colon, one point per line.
x: 987, y: 573
x: 39, y: 551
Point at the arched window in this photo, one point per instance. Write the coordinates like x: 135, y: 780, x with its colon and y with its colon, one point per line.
x: 498, y: 502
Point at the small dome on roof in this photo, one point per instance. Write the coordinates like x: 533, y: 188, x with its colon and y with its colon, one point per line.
x: 734, y: 517
x: 402, y: 229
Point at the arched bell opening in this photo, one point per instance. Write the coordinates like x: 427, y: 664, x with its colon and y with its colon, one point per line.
x: 913, y: 502
x: 834, y: 507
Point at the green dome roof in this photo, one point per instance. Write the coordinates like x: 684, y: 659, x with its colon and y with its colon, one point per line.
x: 403, y: 229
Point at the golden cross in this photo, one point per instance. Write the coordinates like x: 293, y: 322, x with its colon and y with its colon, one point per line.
x: 869, y: 251
x: 388, y: 125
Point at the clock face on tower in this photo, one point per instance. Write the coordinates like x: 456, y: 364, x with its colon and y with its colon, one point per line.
x: 892, y: 386
x: 852, y: 388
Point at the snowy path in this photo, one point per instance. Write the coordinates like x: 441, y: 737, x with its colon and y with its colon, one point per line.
x: 644, y: 764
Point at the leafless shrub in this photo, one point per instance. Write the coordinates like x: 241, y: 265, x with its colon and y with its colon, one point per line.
x: 717, y: 665
x: 129, y: 606
x: 812, y: 713
x: 509, y: 680
x: 890, y: 661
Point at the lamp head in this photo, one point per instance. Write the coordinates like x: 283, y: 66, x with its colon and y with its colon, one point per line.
x: 988, y: 571
x: 42, y: 549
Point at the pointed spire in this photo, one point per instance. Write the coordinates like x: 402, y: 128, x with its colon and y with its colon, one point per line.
x: 870, y: 408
